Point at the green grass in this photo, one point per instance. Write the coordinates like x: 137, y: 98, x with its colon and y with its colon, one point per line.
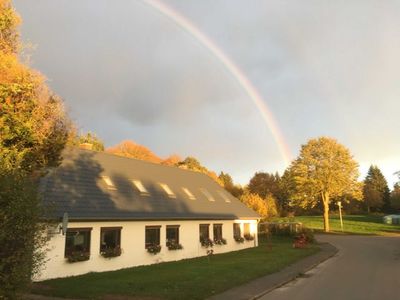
x: 196, y: 278
x: 352, y: 224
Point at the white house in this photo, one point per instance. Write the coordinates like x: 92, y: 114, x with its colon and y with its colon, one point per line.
x: 123, y: 211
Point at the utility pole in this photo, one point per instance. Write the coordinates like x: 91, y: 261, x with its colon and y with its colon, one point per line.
x: 340, y: 214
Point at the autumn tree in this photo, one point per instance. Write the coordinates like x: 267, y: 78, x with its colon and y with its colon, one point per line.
x: 132, y: 150
x: 376, y: 192
x: 33, y: 131
x: 255, y: 202
x: 323, y: 170
x: 172, y: 160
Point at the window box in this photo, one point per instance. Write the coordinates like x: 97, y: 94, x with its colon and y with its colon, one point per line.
x: 111, y: 252
x: 153, y: 249
x: 221, y: 241
x: 206, y: 242
x: 248, y: 237
x: 76, y: 256
x: 239, y: 239
x: 174, y: 246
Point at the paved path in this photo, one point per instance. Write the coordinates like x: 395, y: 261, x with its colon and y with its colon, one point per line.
x: 366, y: 267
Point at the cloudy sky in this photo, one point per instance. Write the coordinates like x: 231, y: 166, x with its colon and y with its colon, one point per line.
x: 128, y: 71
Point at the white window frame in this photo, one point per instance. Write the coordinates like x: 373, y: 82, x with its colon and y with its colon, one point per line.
x: 207, y: 194
x: 167, y: 190
x: 107, y: 180
x: 140, y: 187
x: 188, y: 193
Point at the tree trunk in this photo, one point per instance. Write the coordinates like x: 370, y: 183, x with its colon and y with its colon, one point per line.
x: 325, y: 200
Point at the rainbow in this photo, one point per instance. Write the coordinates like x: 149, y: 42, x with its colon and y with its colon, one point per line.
x: 244, y: 82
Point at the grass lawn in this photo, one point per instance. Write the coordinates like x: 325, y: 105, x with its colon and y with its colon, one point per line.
x: 352, y: 224
x: 196, y: 278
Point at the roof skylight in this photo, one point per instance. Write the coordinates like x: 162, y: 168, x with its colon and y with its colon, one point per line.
x: 108, y: 182
x: 189, y: 193
x: 208, y: 195
x: 224, y: 196
x: 138, y: 184
x: 167, y: 189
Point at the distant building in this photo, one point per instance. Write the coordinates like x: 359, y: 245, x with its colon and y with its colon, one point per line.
x: 122, y: 210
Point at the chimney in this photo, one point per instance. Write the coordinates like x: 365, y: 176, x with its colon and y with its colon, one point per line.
x: 86, y: 146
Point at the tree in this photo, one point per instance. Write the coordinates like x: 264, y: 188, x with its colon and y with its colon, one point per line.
x: 172, y: 160
x: 376, y: 191
x: 323, y: 170
x: 228, y: 184
x: 254, y: 202
x: 132, y: 150
x: 263, y: 184
x: 395, y: 196
x: 75, y: 139
x: 192, y: 163
x: 33, y: 131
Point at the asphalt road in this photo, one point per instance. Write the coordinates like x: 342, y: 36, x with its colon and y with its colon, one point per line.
x: 366, y: 267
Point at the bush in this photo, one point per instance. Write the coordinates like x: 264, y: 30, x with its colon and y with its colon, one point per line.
x: 21, y: 233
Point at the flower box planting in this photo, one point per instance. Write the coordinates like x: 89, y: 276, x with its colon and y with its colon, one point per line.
x: 248, y: 237
x: 220, y: 242
x: 206, y: 242
x: 77, y: 256
x: 154, y: 249
x: 111, y: 252
x: 239, y: 239
x: 174, y: 246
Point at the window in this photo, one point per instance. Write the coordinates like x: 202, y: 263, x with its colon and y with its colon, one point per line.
x: 77, y: 240
x: 236, y: 230
x: 217, y: 230
x: 110, y: 238
x: 167, y: 189
x: 246, y: 228
x: 189, y: 194
x: 224, y: 196
x: 204, y: 232
x: 208, y: 195
x: 138, y: 184
x: 109, y: 183
x: 173, y: 234
x: 152, y: 236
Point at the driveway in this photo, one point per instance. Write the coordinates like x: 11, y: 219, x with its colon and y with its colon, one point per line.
x: 366, y: 267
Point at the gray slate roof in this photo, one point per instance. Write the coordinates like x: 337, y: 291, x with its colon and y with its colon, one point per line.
x: 76, y: 187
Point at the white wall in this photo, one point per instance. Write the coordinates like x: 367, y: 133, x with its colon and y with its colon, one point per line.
x: 133, y: 246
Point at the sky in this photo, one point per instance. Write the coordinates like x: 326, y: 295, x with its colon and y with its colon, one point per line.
x: 322, y: 68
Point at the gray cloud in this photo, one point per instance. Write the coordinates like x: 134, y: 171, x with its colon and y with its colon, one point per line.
x: 324, y: 68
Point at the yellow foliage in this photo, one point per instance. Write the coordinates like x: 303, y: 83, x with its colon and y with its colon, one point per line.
x: 255, y: 202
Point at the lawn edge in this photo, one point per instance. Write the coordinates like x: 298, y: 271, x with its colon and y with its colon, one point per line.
x: 259, y: 287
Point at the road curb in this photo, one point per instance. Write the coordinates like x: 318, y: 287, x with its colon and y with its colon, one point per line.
x: 262, y: 286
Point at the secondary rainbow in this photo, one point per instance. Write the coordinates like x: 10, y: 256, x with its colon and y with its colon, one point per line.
x: 233, y: 69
